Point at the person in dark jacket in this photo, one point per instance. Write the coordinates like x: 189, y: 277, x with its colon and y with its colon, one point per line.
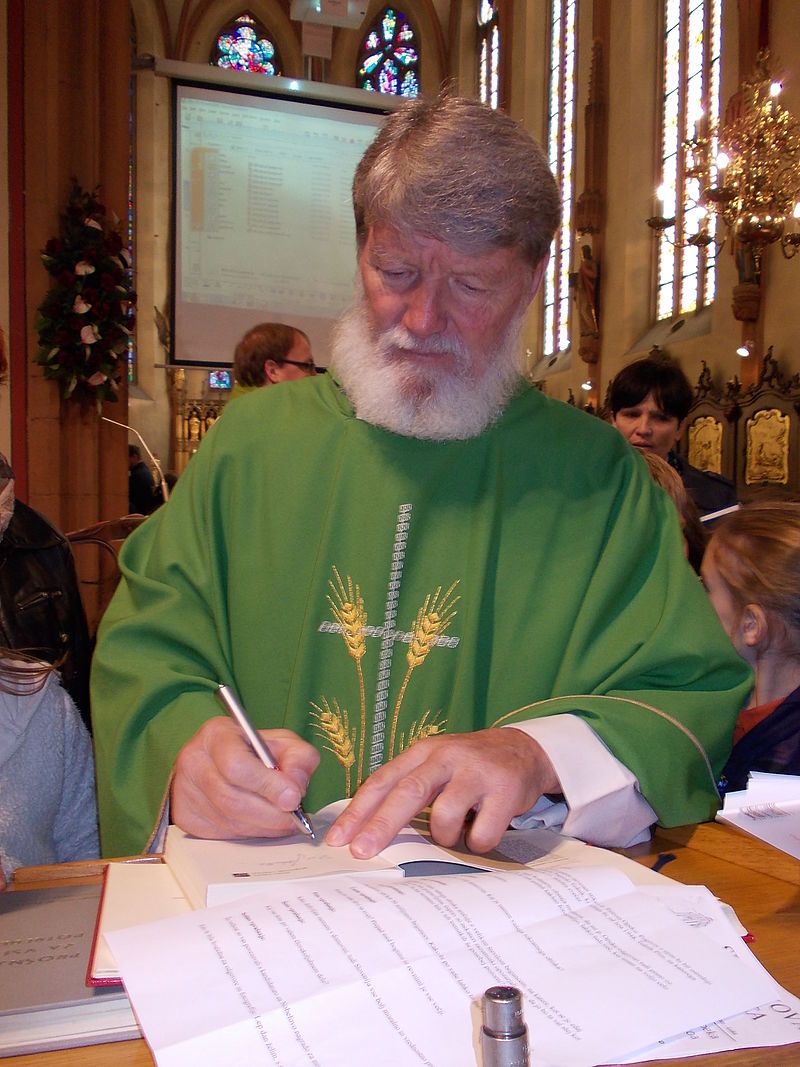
x: 41, y: 611
x: 143, y: 496
x: 650, y: 401
x: 751, y: 570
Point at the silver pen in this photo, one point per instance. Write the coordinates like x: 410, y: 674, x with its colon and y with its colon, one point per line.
x: 229, y: 701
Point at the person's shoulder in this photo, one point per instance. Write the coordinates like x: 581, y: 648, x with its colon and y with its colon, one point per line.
x: 30, y: 529
x: 709, y: 490
x: 265, y: 407
x: 573, y: 426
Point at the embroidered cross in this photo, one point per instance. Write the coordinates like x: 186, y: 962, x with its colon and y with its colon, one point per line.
x: 389, y: 635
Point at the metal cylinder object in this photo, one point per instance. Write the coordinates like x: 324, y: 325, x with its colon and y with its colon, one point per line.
x: 504, y: 1035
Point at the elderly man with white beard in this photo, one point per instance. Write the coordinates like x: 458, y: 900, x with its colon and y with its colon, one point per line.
x: 430, y: 585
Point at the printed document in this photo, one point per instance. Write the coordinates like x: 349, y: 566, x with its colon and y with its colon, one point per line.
x: 354, y: 971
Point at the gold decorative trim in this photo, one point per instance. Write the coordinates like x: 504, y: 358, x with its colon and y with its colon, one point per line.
x: 767, y: 455
x: 705, y: 444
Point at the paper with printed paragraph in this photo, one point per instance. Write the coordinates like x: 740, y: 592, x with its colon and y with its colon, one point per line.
x: 349, y: 971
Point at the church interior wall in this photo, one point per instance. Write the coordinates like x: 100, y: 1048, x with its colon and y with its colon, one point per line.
x: 184, y: 29
x: 626, y: 295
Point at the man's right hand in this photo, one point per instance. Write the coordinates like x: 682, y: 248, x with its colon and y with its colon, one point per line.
x: 221, y: 789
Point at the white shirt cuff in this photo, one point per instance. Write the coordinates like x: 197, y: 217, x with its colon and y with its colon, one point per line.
x: 602, y: 802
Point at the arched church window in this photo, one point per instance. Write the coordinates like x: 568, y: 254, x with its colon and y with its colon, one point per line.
x: 561, y: 156
x: 389, y: 58
x: 488, y: 52
x: 685, y: 274
x: 244, y: 44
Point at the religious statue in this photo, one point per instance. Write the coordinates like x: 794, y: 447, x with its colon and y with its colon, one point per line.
x: 588, y: 279
x: 586, y: 286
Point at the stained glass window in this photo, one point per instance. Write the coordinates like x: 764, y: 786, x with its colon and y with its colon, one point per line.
x: 488, y: 53
x: 244, y: 45
x: 389, y: 57
x: 685, y: 274
x: 561, y: 156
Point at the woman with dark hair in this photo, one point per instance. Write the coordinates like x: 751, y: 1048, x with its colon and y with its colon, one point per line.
x: 650, y: 401
x: 48, y: 806
x: 751, y: 571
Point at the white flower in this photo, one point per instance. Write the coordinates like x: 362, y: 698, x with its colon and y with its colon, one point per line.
x: 82, y: 267
x: 80, y: 307
x: 125, y: 256
x: 96, y: 379
x: 89, y: 334
x: 93, y: 223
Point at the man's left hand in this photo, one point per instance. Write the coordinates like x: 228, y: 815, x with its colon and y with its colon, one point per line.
x: 494, y: 774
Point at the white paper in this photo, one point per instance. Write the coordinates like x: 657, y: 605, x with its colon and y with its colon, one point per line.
x: 356, y: 972
x: 768, y: 809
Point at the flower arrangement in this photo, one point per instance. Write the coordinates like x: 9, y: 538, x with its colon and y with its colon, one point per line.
x: 85, y: 320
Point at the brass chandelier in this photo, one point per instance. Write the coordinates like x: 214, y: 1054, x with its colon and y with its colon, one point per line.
x: 746, y: 171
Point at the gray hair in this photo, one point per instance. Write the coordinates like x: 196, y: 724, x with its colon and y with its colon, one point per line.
x: 456, y: 170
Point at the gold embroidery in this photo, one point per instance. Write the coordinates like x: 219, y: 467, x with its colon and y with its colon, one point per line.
x: 350, y: 620
x: 432, y: 621
x: 420, y: 730
x: 335, y: 728
x: 348, y: 610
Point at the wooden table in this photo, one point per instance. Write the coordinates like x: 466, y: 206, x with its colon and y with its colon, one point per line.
x: 759, y: 882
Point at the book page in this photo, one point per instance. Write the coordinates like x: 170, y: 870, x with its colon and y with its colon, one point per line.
x: 133, y: 893
x: 212, y: 872
x: 348, y: 970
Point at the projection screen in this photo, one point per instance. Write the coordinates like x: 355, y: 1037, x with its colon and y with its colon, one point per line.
x: 263, y: 222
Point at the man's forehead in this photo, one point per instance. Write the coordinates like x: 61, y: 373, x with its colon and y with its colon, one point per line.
x: 387, y: 241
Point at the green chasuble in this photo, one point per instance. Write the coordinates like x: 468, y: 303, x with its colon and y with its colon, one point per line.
x: 366, y: 590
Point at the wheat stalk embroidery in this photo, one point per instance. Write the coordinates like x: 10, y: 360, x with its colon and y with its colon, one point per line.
x: 419, y: 730
x: 347, y: 606
x: 334, y: 726
x: 432, y: 621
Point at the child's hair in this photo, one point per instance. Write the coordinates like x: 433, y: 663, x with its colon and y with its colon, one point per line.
x: 757, y: 553
x: 670, y: 481
x: 21, y: 674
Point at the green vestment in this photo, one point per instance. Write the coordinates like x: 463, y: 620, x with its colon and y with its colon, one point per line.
x: 367, y: 589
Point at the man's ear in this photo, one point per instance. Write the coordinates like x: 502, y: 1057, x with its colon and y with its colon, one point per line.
x: 536, y: 277
x: 272, y: 371
x: 753, y: 626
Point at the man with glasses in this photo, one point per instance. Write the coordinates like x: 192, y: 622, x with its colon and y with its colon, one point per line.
x: 390, y: 562
x: 269, y: 353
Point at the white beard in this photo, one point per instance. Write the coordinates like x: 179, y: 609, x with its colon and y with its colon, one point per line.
x: 432, y: 402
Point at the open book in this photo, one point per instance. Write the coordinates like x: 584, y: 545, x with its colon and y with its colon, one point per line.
x: 198, y: 873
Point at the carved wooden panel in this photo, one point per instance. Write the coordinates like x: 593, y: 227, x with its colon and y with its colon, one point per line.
x: 705, y: 443
x: 767, y: 448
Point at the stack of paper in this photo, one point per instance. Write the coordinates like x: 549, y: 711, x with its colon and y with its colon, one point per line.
x: 768, y: 809
x: 347, y: 970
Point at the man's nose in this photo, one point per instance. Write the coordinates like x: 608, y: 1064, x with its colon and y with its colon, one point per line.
x: 425, y: 312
